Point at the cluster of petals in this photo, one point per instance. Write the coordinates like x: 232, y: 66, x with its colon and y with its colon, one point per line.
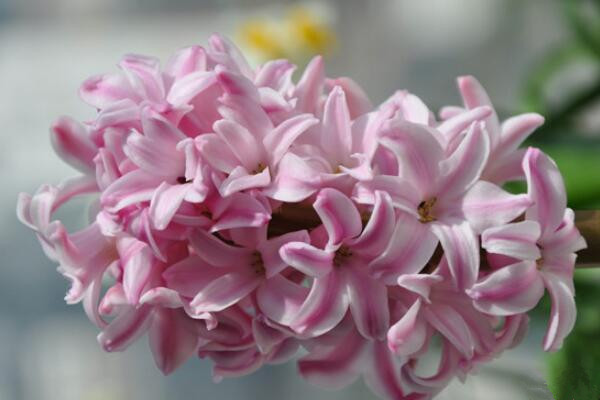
x: 246, y: 217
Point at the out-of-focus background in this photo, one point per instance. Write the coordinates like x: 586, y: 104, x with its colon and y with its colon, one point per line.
x: 536, y: 55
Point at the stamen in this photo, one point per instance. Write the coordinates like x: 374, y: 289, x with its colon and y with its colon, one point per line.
x: 257, y: 263
x: 341, y: 255
x: 425, y: 210
x: 539, y: 263
x: 259, y: 168
x: 182, y: 180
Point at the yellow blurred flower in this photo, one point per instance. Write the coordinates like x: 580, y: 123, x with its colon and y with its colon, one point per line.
x: 298, y: 36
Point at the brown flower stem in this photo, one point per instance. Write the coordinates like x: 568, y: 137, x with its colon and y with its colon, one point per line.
x: 588, y: 223
x: 292, y: 217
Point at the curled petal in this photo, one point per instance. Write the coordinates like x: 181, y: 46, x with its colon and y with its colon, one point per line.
x: 324, y: 308
x: 339, y: 216
x: 368, y: 304
x: 547, y: 190
x: 510, y: 290
x: 410, y: 248
x: 336, y: 138
x: 165, y: 202
x: 136, y: 261
x: 308, y: 259
x: 474, y: 95
x: 278, y: 141
x: 419, y: 153
x: 173, y: 338
x: 486, y: 205
x: 461, y: 250
x: 464, y: 166
x: 271, y: 248
x: 126, y: 328
x: 71, y: 142
x: 376, y: 235
x: 225, y: 291
x: 309, y: 88
x: 358, y: 101
x: 103, y: 90
x: 517, y: 240
x: 239, y: 180
x: 215, y: 251
x: 449, y: 322
x: 408, y: 335
x: 337, y: 366
x: 280, y: 299
x: 563, y: 312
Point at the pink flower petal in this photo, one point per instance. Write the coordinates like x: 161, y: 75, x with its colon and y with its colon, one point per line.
x: 464, y: 166
x: 308, y: 259
x: 310, y: 86
x: 452, y: 127
x: 461, y: 249
x: 515, y: 130
x: 191, y: 275
x: 563, y: 312
x: 126, y: 328
x: 270, y: 250
x: 215, y: 251
x: 418, y: 151
x: 165, y: 202
x: 339, y: 216
x: 486, y: 205
x: 172, y: 337
x: 144, y: 76
x: 474, y: 95
x: 378, y: 232
x: 137, y: 262
x: 336, y: 138
x: 546, y: 188
x: 411, y: 246
x: 280, y: 299
x: 337, y: 366
x: 135, y: 187
x: 368, y: 303
x: 278, y: 141
x: 510, y: 290
x: 188, y: 87
x: 71, y: 142
x: 324, y: 308
x: 420, y: 284
x: 357, y: 99
x: 408, y: 335
x: 239, y: 180
x: 246, y: 147
x: 103, y: 90
x: 517, y: 240
x: 225, y: 291
x: 506, y: 168
x: 186, y: 61
x: 449, y: 322
x: 216, y: 152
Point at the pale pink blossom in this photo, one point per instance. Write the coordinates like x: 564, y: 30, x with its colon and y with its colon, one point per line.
x: 241, y: 216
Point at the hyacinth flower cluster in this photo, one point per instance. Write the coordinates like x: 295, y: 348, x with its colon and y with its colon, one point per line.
x: 250, y: 218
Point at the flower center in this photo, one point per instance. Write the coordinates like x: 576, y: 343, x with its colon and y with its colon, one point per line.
x: 259, y: 168
x: 257, y: 263
x: 341, y: 255
x: 425, y: 210
x: 539, y: 263
x: 182, y: 180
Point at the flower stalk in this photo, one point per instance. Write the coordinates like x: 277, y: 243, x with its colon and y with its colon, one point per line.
x: 588, y: 223
x: 292, y: 217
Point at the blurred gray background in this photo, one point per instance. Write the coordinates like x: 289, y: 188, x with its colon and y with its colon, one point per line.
x: 48, y: 350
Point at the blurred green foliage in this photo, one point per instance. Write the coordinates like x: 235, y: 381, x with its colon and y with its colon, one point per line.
x: 574, y: 371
